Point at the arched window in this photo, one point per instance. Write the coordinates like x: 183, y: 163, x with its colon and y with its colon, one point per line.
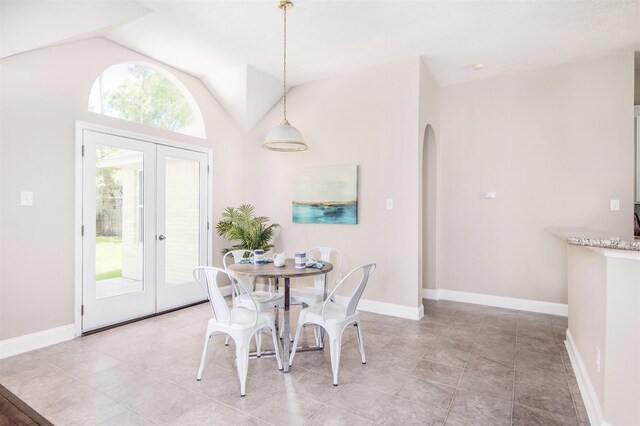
x: 148, y: 95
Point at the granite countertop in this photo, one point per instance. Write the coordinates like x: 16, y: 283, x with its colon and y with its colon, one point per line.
x: 592, y: 238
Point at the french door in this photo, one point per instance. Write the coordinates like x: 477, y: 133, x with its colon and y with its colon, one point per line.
x: 144, y: 227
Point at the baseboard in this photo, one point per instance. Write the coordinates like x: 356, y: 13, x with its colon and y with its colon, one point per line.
x: 32, y: 341
x: 225, y: 290
x: 591, y: 402
x: 560, y: 309
x: 431, y: 294
x: 385, y: 308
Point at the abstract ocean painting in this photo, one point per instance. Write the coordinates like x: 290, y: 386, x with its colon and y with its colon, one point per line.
x: 327, y: 194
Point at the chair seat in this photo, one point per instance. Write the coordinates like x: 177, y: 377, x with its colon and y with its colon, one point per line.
x: 308, y: 295
x: 264, y: 300
x: 242, y: 319
x: 333, y: 313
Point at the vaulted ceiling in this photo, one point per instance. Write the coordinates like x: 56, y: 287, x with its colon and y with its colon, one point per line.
x: 235, y: 47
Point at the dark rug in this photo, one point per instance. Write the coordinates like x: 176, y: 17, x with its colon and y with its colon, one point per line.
x: 15, y: 412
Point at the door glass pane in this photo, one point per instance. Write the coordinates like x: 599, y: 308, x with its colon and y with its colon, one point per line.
x: 182, y: 222
x: 119, y: 221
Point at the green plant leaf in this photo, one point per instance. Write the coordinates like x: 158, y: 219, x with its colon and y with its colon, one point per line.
x: 251, y: 232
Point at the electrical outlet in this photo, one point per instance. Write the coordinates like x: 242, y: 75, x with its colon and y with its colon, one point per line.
x: 598, y: 359
x: 389, y: 204
x: 26, y: 198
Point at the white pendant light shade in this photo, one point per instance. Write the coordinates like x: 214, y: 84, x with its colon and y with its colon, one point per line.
x: 285, y: 138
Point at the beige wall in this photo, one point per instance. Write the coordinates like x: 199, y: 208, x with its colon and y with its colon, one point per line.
x: 587, y: 288
x: 368, y: 118
x: 604, y: 302
x: 43, y: 93
x: 541, y: 139
x: 429, y: 139
x: 636, y: 97
x: 556, y: 144
x: 622, y: 369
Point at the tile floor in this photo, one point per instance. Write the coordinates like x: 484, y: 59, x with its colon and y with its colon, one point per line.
x: 461, y: 364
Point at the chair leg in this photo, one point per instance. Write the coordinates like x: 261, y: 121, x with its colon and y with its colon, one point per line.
x: 360, y: 342
x: 296, y: 340
x: 335, y: 341
x: 259, y: 343
x: 226, y: 340
x: 204, y: 354
x: 276, y: 345
x: 242, y: 363
x: 317, y: 332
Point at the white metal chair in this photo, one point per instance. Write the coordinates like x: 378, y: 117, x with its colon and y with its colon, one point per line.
x: 313, y: 295
x: 334, y: 318
x: 239, y: 323
x: 310, y: 296
x: 263, y: 301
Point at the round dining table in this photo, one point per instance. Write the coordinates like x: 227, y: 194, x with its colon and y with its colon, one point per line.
x: 288, y: 271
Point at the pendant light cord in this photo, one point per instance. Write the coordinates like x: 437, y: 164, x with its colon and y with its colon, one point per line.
x: 284, y: 68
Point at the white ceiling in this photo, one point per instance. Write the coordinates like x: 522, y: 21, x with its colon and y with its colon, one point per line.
x: 235, y: 47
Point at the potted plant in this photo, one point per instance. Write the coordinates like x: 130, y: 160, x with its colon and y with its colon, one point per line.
x: 240, y: 224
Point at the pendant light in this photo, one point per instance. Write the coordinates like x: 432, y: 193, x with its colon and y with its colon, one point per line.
x: 284, y: 137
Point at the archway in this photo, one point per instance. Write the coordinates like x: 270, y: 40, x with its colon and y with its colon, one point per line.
x: 429, y: 211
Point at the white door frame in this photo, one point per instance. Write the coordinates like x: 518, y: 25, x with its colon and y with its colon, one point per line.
x: 79, y: 185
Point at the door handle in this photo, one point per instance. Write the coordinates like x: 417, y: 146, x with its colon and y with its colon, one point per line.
x: 162, y: 237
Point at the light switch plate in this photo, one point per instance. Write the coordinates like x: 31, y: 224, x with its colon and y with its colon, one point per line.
x: 389, y: 204
x: 614, y: 205
x: 490, y: 195
x: 26, y: 198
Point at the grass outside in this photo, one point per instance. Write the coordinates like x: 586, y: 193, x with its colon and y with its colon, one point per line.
x: 108, y: 257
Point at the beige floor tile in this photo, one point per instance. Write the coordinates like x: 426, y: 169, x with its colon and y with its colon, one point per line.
x: 427, y: 392
x: 447, y: 374
x: 361, y: 401
x: 447, y: 355
x: 316, y: 386
x: 403, y: 412
x: 84, y: 407
x: 145, y: 372
x: 491, y: 384
x: 382, y: 380
x: 529, y: 416
x: 166, y: 402
x: 209, y: 413
x: 287, y: 408
x: 332, y: 416
x: 127, y: 418
x: 257, y: 394
x: 404, y: 344
x: 545, y: 390
x: 252, y: 421
x: 470, y: 408
x: 390, y: 360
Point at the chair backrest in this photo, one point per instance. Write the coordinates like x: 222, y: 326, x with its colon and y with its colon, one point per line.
x: 237, y: 255
x: 326, y: 254
x: 207, y: 277
x: 366, y: 270
x: 226, y: 261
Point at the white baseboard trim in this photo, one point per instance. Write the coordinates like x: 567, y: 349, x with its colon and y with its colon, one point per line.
x: 38, y: 340
x: 560, y: 309
x: 591, y: 402
x: 384, y: 308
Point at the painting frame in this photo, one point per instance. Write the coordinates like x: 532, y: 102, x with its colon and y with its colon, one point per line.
x: 326, y: 195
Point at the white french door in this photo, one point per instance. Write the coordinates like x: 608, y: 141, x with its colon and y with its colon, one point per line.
x: 144, y: 213
x: 181, y: 225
